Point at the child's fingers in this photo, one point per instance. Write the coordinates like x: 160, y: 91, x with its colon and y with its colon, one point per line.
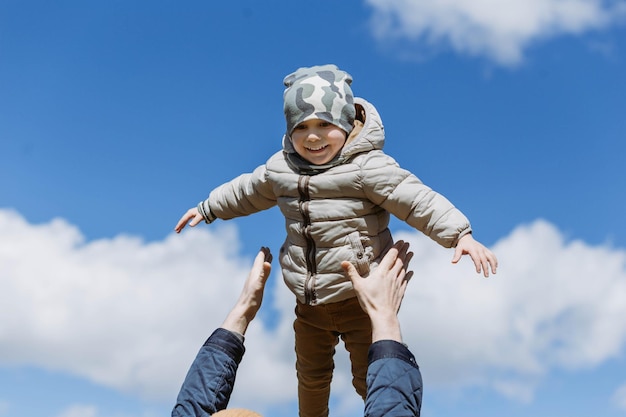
x: 197, y: 219
x: 181, y: 224
x: 493, y: 261
x: 184, y: 220
x: 458, y: 252
x: 485, y: 266
x: 488, y: 262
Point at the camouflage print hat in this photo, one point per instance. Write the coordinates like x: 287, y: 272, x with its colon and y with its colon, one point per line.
x: 320, y: 92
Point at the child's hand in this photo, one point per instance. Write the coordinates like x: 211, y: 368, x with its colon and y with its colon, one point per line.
x: 482, y: 257
x: 192, y: 214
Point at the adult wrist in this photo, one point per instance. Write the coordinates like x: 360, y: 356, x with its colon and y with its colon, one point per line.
x: 386, y: 328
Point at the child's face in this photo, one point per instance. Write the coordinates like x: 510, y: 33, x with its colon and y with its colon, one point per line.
x: 318, y: 141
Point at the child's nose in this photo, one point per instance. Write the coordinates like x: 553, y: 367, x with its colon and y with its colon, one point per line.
x: 314, y: 135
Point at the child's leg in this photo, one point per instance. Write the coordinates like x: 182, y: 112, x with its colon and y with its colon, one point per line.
x: 356, y: 332
x: 315, y: 347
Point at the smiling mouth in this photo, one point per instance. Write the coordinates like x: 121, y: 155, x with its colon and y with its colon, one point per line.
x: 321, y: 148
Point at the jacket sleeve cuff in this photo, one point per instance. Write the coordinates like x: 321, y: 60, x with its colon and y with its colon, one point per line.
x: 229, y: 342
x: 205, y: 210
x: 464, y: 232
x: 384, y: 349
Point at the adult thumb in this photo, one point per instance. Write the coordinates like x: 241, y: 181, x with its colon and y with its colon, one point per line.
x: 350, y: 270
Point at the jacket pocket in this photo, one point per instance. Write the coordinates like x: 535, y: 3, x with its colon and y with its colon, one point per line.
x: 361, y: 260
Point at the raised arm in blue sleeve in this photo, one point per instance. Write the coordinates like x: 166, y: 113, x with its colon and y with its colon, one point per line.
x: 211, y: 377
x: 394, y: 381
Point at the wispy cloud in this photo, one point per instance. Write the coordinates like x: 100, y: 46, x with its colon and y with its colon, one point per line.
x: 500, y: 31
x: 79, y: 410
x: 619, y: 397
x: 131, y: 314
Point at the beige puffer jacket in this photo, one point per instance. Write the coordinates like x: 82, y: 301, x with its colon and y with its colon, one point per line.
x: 338, y: 212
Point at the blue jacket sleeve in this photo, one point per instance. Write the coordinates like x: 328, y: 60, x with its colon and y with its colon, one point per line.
x: 394, y: 381
x: 211, y: 377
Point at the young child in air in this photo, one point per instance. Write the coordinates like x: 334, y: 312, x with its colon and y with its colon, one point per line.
x: 336, y: 188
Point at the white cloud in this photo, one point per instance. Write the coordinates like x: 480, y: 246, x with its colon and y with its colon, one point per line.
x: 495, y: 29
x: 121, y: 312
x: 90, y: 410
x: 79, y: 410
x: 619, y: 397
x: 131, y: 314
x: 553, y: 304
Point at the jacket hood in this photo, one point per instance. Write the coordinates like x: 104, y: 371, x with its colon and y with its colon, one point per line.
x: 370, y: 137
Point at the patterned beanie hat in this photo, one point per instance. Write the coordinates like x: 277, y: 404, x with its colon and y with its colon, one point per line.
x: 320, y: 92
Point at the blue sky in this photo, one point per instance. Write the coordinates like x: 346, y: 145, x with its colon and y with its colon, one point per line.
x: 117, y: 116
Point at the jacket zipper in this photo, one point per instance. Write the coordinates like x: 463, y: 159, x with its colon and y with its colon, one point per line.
x: 311, y: 266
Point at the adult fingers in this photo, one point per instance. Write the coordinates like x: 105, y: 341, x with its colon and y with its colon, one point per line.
x: 390, y: 257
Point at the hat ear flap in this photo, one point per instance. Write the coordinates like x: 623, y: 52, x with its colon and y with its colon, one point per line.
x: 288, y: 81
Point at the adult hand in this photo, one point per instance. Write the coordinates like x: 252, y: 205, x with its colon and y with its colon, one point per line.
x: 251, y: 296
x: 381, y: 293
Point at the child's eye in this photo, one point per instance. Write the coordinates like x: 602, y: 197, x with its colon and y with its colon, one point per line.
x: 300, y: 127
x: 324, y: 124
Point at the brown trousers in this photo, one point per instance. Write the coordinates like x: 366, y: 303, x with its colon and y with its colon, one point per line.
x: 317, y: 331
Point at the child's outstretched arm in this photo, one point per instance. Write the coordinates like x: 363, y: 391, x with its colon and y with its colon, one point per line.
x: 482, y: 257
x: 244, y: 195
x: 192, y: 214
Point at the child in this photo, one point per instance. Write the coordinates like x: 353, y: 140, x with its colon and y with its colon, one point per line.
x: 336, y: 188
